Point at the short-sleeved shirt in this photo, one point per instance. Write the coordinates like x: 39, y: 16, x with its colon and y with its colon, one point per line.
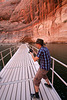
x: 44, y: 57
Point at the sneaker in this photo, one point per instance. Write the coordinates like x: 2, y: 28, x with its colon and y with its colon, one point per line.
x: 48, y: 85
x: 34, y: 96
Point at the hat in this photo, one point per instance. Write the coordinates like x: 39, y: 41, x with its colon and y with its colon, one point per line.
x: 40, y: 41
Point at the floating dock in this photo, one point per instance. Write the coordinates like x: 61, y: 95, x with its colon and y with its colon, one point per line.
x: 17, y: 78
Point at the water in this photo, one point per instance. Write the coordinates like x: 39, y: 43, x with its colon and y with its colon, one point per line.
x: 7, y: 58
x: 59, y: 51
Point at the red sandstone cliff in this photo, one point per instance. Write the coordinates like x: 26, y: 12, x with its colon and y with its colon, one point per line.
x: 33, y: 19
x: 2, y: 0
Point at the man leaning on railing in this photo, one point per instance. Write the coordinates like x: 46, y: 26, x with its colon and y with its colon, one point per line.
x: 45, y: 63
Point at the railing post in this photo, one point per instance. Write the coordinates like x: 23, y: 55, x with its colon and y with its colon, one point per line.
x: 53, y: 72
x: 10, y: 52
x: 14, y: 49
x: 2, y: 59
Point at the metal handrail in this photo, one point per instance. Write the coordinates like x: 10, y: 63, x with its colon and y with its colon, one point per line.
x: 7, y: 54
x: 52, y: 69
x: 7, y: 49
x: 10, y: 52
x: 59, y: 62
x: 59, y: 77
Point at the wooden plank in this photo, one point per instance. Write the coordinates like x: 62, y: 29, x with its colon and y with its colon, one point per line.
x: 26, y: 73
x: 23, y: 73
x: 43, y: 93
x: 32, y: 71
x: 32, y: 87
x: 13, y: 96
x: 6, y: 76
x: 23, y: 96
x: 20, y: 74
x: 5, y: 73
x: 28, y: 85
x: 28, y: 97
x: 29, y: 72
x: 54, y: 91
x: 17, y: 74
x: 33, y: 90
x: 11, y: 76
x: 18, y: 91
x: 50, y: 97
x: 2, y: 88
x: 14, y: 77
x: 31, y: 68
x: 32, y: 64
x: 5, y: 93
x: 54, y: 94
x: 2, y: 73
x: 9, y: 92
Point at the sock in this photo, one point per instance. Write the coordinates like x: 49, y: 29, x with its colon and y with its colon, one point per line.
x: 37, y: 94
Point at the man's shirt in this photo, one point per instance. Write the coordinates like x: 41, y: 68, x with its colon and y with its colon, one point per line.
x: 44, y: 57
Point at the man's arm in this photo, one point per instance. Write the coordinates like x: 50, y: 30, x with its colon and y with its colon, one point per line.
x: 34, y: 58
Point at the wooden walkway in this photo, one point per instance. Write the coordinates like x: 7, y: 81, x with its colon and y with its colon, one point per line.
x: 17, y: 78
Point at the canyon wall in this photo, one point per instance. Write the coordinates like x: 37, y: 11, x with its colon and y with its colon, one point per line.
x: 54, y: 29
x: 30, y: 19
x: 2, y: 0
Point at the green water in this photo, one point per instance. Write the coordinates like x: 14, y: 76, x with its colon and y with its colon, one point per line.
x: 59, y: 51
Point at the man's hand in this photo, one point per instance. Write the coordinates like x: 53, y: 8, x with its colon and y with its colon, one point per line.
x: 30, y: 50
x: 31, y: 54
x: 34, y: 58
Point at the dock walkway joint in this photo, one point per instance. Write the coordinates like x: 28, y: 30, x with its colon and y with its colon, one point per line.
x: 17, y: 78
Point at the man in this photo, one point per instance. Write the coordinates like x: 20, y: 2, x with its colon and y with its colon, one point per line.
x: 45, y: 62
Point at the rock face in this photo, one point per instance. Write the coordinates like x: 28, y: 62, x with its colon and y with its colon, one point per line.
x: 2, y: 0
x: 33, y: 19
x: 54, y: 29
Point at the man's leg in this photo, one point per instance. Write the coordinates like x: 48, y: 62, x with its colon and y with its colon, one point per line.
x: 36, y: 95
x: 48, y: 84
x: 46, y: 79
x: 36, y: 88
x: 36, y: 91
x: 36, y: 81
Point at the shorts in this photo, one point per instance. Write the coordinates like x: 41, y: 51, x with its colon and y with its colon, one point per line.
x: 41, y: 73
